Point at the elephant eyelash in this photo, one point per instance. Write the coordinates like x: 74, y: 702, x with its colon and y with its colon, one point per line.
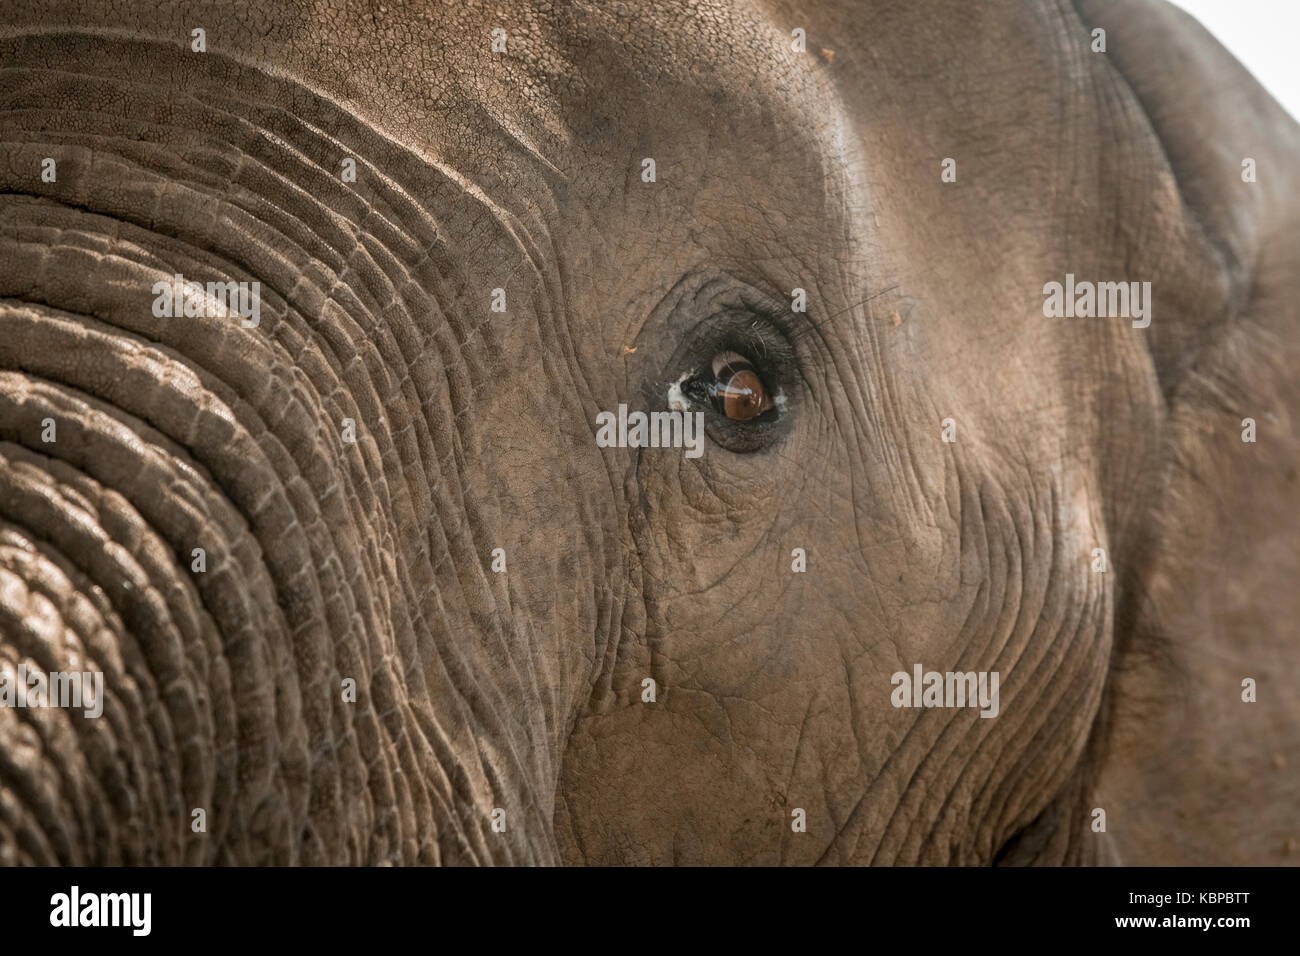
x: 774, y: 321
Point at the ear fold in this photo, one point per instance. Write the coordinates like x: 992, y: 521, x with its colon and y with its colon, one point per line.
x: 1195, y: 773
x: 1232, y: 153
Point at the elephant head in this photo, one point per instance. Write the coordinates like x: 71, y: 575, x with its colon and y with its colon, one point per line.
x: 311, y: 319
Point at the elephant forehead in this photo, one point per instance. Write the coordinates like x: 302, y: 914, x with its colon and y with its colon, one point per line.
x: 534, y: 105
x: 586, y: 92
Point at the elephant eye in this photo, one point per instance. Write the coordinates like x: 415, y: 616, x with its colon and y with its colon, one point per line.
x: 737, y: 391
x: 739, y: 372
x: 732, y: 386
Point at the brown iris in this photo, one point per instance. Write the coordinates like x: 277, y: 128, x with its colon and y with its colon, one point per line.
x: 739, y: 392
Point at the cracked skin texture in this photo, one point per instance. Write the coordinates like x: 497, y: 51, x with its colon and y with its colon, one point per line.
x: 522, y: 690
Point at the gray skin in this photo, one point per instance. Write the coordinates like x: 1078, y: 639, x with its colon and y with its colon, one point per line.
x: 522, y: 690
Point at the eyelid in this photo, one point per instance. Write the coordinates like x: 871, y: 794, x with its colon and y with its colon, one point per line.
x: 733, y: 359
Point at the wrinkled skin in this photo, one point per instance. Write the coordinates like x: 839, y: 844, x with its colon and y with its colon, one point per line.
x: 523, y: 690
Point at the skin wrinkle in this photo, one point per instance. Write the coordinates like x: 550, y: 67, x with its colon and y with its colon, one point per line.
x: 1018, y: 608
x: 1090, y: 690
x: 900, y: 803
x: 155, y: 718
x: 521, y: 171
x: 19, y: 618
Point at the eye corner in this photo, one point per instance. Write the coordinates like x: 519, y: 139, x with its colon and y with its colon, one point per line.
x: 692, y: 389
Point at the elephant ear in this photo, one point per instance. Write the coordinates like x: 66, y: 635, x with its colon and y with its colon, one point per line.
x: 1202, y: 762
x: 1230, y: 151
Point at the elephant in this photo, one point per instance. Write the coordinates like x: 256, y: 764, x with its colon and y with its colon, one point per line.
x: 309, y: 316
